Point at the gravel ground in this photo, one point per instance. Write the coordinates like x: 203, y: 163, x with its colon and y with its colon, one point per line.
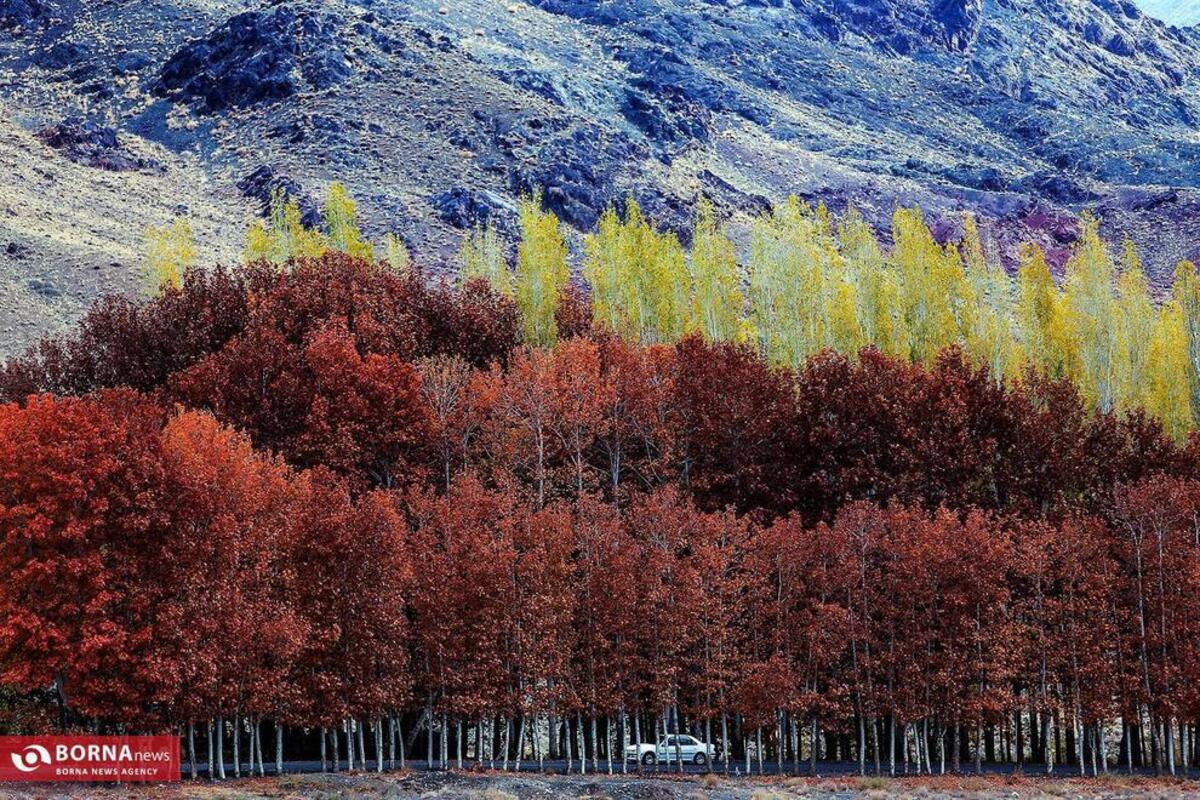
x: 511, y: 787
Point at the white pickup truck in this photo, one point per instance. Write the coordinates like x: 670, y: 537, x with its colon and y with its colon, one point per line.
x: 690, y: 750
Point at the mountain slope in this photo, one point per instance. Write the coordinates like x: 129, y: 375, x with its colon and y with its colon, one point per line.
x: 438, y: 114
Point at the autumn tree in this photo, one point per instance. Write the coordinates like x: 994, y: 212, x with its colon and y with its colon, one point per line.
x: 352, y: 579
x: 541, y: 272
x: 170, y: 252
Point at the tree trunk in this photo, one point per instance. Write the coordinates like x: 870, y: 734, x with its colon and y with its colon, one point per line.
x: 520, y: 740
x: 955, y: 762
x: 221, y: 747
x: 813, y: 746
x: 745, y: 744
x: 728, y: 750
x: 595, y: 739
x: 278, y: 747
x: 862, y: 746
x: 891, y: 737
x: 758, y: 748
x: 505, y: 740
x: 1020, y: 737
x: 1044, y: 735
x: 400, y: 741
x: 637, y: 738
x: 580, y: 747
x: 624, y: 741
x: 391, y: 736
x: 781, y: 725
x: 678, y: 747
x: 608, y: 742
x: 192, y: 749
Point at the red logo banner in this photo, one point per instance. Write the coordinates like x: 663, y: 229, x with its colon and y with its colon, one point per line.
x: 89, y: 758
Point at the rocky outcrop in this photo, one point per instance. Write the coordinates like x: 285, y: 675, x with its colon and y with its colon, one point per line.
x: 960, y: 21
x: 22, y: 14
x: 264, y: 182
x: 94, y: 145
x: 258, y: 56
x: 576, y: 174
x: 466, y: 208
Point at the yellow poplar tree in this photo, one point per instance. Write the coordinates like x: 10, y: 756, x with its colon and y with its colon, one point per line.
x: 1166, y: 393
x: 482, y: 256
x: 1041, y: 317
x: 933, y: 286
x: 666, y: 284
x: 716, y: 283
x: 1093, y: 317
x: 169, y: 252
x: 396, y: 254
x: 990, y: 338
x: 283, y: 236
x: 840, y: 328
x: 786, y: 284
x: 604, y: 267
x: 877, y: 292
x: 541, y: 271
x: 1186, y: 293
x: 1135, y: 330
x: 341, y: 223
x: 641, y: 286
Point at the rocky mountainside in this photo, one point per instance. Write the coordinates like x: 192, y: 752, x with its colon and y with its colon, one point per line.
x: 439, y: 113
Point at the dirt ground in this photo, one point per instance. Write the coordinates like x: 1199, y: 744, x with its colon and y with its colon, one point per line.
x: 514, y: 787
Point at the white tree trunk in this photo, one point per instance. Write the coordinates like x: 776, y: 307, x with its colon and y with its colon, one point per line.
x: 595, y: 751
x: 221, y: 747
x: 608, y: 742
x: 505, y: 739
x: 579, y: 743
x: 637, y: 737
x: 520, y: 741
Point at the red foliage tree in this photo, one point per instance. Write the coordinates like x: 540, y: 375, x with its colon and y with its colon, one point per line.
x: 121, y: 342
x: 352, y: 577
x: 321, y: 403
x: 735, y: 424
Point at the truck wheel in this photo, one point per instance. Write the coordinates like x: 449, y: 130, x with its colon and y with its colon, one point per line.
x: 649, y: 758
x: 700, y: 759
